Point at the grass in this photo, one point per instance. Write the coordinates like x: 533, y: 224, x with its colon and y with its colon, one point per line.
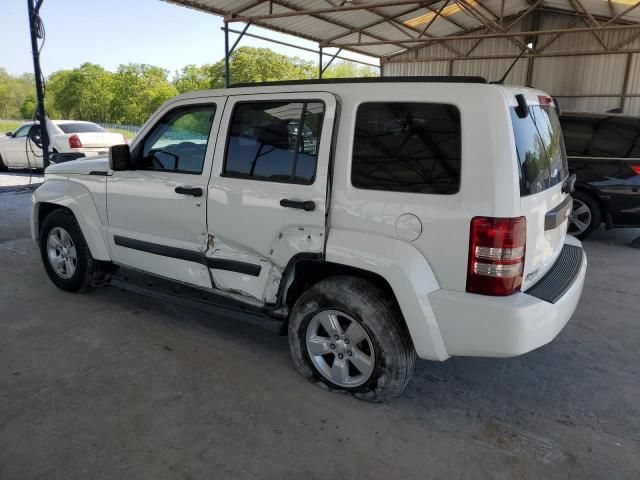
x: 127, y: 134
x: 9, y: 125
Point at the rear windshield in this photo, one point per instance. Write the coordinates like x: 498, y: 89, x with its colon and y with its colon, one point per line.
x: 541, y: 153
x: 80, y: 127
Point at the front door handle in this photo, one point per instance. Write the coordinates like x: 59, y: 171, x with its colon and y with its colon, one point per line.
x: 308, y: 205
x: 193, y: 191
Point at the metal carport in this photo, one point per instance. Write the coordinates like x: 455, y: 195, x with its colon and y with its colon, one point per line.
x: 586, y: 52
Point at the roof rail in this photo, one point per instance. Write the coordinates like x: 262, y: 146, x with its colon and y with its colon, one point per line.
x: 324, y: 81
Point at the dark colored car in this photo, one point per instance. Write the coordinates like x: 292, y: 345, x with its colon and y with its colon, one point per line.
x: 604, y: 152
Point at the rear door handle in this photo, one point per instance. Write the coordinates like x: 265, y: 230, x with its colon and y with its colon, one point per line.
x: 193, y: 191
x: 307, y: 205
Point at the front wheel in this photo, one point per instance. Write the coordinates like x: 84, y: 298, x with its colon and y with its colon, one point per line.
x: 3, y: 167
x: 65, y: 253
x: 347, y: 334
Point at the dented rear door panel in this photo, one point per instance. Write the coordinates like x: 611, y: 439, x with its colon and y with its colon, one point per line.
x: 252, y: 235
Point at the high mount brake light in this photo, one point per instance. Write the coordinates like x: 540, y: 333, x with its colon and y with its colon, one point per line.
x: 544, y: 100
x: 496, y: 255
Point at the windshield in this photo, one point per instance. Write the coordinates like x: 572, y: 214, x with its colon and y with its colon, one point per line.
x: 540, y: 147
x: 80, y: 127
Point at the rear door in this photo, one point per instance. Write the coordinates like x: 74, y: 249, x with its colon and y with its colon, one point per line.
x: 267, y: 197
x: 543, y: 169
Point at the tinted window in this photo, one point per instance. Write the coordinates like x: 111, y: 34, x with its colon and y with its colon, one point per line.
x: 80, y: 127
x: 540, y: 148
x: 274, y: 141
x: 602, y: 136
x: 178, y: 142
x: 23, y: 131
x: 407, y: 147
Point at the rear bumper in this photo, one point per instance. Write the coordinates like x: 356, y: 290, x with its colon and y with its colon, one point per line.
x: 485, y: 326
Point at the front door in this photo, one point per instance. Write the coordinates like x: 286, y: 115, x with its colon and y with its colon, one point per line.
x: 157, y: 213
x: 20, y: 152
x: 268, y: 191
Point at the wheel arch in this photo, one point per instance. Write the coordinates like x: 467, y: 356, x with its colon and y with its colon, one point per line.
x: 394, y: 266
x: 61, y: 194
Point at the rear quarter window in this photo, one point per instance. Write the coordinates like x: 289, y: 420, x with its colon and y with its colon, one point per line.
x: 407, y: 147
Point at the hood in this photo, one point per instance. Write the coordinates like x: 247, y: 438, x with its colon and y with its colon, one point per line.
x: 81, y: 166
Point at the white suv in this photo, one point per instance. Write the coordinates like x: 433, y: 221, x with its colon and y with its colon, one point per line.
x: 380, y: 219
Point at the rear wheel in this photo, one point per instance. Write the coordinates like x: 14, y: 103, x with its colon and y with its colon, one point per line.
x: 346, y: 334
x: 65, y: 253
x: 585, y: 216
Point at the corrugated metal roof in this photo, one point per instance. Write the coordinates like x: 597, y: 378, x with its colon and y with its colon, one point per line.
x: 384, y: 28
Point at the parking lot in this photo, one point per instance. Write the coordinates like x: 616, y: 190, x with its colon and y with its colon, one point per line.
x: 112, y: 384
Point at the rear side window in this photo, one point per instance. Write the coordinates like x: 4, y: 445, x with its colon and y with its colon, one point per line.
x: 602, y: 136
x: 540, y: 147
x: 80, y: 127
x: 274, y: 141
x: 407, y: 147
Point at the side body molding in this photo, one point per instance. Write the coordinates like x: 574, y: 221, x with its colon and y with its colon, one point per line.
x: 79, y: 200
x: 409, y: 275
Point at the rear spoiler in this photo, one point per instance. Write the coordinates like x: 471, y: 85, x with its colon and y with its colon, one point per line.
x: 522, y: 110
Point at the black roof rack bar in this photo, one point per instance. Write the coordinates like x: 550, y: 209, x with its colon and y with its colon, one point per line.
x: 431, y: 79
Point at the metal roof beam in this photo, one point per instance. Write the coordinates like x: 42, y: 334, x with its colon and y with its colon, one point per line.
x: 508, y: 56
x: 397, y: 43
x: 427, y: 41
x: 296, y: 12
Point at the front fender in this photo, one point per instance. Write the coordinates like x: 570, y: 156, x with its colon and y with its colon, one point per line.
x: 79, y: 200
x: 408, y: 274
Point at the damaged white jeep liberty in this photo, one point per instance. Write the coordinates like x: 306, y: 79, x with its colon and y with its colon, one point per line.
x: 378, y: 219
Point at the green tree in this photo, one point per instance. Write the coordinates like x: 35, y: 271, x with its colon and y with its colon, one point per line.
x: 13, y: 92
x: 138, y: 90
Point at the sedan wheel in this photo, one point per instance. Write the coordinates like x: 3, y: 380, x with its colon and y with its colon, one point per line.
x: 580, y: 218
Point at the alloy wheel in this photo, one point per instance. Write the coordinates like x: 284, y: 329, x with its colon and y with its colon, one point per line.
x: 340, y: 348
x: 61, y: 252
x: 580, y: 217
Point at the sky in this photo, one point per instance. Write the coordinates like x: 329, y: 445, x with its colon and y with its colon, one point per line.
x: 113, y: 32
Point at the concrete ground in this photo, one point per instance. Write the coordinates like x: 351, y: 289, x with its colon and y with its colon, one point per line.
x: 108, y: 384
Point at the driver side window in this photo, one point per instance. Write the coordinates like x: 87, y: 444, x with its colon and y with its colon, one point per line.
x: 22, y: 132
x: 178, y: 142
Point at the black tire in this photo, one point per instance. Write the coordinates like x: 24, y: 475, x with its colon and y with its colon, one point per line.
x: 373, y: 310
x: 582, y: 199
x: 85, y: 265
x: 3, y: 167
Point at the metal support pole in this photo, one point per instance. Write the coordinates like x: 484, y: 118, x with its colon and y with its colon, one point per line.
x: 333, y: 57
x: 226, y: 55
x: 41, y: 115
x: 320, y: 63
x: 235, y: 44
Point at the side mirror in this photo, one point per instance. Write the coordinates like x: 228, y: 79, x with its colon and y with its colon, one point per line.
x: 9, y: 134
x: 119, y: 158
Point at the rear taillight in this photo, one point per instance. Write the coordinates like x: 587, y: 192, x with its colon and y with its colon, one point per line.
x: 74, y: 141
x: 635, y: 169
x: 496, y: 255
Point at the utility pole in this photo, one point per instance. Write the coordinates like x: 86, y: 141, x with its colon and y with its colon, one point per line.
x: 35, y: 26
